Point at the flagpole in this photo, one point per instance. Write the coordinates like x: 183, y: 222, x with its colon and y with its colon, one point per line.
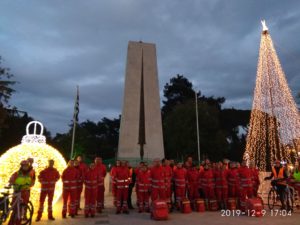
x: 74, y: 123
x: 197, y: 125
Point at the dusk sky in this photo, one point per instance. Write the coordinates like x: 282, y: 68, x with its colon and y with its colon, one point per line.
x: 52, y: 46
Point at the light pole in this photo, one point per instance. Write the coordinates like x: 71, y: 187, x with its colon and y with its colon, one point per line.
x: 197, y: 125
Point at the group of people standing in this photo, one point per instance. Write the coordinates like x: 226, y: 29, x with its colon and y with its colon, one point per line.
x: 163, y: 180
x: 174, y: 183
x: 74, y: 177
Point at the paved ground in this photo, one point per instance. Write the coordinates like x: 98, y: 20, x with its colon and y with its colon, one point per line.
x: 134, y: 218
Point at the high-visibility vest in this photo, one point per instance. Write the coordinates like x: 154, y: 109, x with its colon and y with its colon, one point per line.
x: 279, y: 175
x: 296, y: 175
x: 23, y: 182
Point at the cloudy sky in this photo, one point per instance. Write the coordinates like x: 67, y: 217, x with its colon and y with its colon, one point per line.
x: 52, y: 46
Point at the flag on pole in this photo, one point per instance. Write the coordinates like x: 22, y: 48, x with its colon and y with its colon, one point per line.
x: 76, y: 107
x: 75, y: 121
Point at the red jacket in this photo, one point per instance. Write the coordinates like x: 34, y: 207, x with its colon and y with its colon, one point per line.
x: 255, y: 177
x: 221, y: 178
x: 180, y: 177
x: 70, y: 177
x: 48, y: 177
x: 101, y: 169
x: 91, y: 178
x: 168, y: 174
x: 233, y: 177
x: 193, y: 177
x: 143, y: 181
x: 122, y: 177
x: 206, y: 178
x: 245, y: 176
x: 83, y: 168
x: 158, y: 177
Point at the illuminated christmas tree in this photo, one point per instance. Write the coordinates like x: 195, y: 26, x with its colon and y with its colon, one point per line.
x: 274, y: 131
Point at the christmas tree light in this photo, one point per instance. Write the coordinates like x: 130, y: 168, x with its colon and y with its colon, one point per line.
x: 33, y: 146
x: 274, y: 130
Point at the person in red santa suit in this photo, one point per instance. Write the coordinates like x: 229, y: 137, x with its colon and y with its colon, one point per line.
x: 90, y: 179
x: 255, y: 178
x: 246, y: 186
x: 207, y: 182
x: 70, y: 177
x: 122, y: 179
x: 48, y: 178
x: 101, y: 168
x: 83, y: 168
x: 233, y: 181
x: 180, y: 175
x: 158, y: 181
x: 193, y: 184
x: 113, y: 183
x: 143, y: 192
x: 221, y: 176
x: 169, y: 176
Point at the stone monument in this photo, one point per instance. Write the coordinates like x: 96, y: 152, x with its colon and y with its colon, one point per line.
x: 141, y: 135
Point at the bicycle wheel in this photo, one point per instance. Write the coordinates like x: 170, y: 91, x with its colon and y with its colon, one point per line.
x: 30, y: 205
x: 272, y: 199
x: 290, y: 198
x: 26, y: 213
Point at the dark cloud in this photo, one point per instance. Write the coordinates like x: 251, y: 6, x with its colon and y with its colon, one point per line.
x: 52, y: 46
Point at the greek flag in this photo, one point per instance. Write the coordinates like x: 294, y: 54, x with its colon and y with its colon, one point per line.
x: 76, y: 107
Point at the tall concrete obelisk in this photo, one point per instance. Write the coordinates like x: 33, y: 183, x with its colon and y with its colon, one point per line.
x: 141, y: 135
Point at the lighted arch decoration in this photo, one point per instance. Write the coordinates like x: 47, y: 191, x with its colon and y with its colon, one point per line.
x: 34, y: 146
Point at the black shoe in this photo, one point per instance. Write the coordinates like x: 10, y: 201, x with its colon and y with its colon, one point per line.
x: 92, y: 215
x: 126, y: 212
x: 86, y: 215
x: 72, y: 216
x: 37, y: 219
x: 118, y: 212
x: 51, y: 218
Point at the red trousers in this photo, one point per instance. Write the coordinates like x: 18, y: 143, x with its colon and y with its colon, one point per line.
x: 80, y: 188
x: 233, y: 191
x: 100, y: 197
x: 209, y: 192
x: 180, y: 194
x: 193, y: 192
x: 168, y: 192
x: 122, y: 195
x: 69, y: 197
x: 158, y: 193
x: 90, y: 196
x: 143, y: 199
x: 245, y: 192
x: 16, y: 218
x: 44, y: 193
x: 255, y: 189
x: 222, y: 194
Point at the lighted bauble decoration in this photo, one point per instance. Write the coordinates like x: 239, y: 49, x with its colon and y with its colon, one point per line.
x: 32, y: 146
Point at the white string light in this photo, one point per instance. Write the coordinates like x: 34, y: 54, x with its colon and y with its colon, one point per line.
x: 274, y: 131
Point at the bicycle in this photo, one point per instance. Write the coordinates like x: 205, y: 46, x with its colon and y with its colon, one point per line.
x: 11, y: 205
x: 274, y: 197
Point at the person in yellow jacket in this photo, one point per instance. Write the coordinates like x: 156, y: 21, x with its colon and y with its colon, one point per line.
x: 279, y: 175
x: 21, y: 181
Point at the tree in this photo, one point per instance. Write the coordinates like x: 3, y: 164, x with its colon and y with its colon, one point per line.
x: 179, y: 90
x: 92, y: 139
x: 6, y: 90
x: 180, y: 132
